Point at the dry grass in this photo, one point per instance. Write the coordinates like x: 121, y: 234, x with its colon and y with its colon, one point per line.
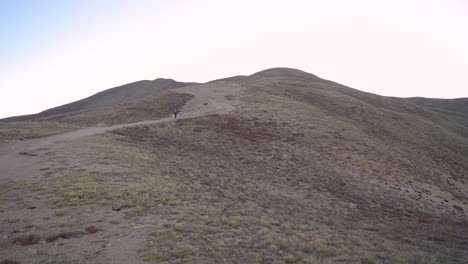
x: 81, y: 188
x: 279, y: 188
x: 14, y: 190
x: 152, y: 108
x: 225, y: 205
x: 295, y: 177
x: 30, y: 130
x: 231, y: 190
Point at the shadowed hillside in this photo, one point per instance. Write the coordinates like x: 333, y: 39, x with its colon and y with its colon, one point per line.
x: 452, y: 106
x: 453, y: 109
x: 277, y: 167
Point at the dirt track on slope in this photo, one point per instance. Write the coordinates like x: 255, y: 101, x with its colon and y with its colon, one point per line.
x: 34, y: 160
x: 17, y: 159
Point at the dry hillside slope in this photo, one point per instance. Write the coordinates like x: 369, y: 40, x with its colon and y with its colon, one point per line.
x: 277, y: 167
x: 127, y: 93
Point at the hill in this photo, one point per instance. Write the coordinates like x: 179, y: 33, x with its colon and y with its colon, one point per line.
x: 127, y: 93
x: 277, y: 167
x: 453, y: 106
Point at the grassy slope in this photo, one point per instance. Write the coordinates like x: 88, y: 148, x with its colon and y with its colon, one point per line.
x: 309, y: 174
x: 128, y: 93
x: 150, y: 108
x: 153, y: 107
x: 28, y: 130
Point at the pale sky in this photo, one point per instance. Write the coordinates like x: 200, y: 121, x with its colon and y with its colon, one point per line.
x: 56, y: 52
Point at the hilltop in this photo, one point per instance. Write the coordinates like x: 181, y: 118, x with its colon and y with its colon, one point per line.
x: 127, y: 93
x: 277, y: 167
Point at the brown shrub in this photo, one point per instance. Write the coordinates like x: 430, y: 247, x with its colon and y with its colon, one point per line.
x: 91, y: 229
x: 25, y: 240
x: 52, y: 237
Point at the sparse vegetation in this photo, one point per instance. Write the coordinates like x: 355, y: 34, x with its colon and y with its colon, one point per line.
x: 305, y: 172
x: 30, y: 130
x: 12, y: 190
x: 220, y: 169
x: 150, y: 108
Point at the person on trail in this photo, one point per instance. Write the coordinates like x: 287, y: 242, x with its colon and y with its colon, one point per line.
x: 175, y: 111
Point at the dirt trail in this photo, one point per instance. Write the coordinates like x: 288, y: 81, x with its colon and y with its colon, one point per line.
x: 26, y: 160
x: 214, y: 98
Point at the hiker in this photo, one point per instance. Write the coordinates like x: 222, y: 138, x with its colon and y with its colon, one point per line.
x: 175, y: 111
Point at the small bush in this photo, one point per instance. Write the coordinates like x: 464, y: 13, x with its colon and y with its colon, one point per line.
x: 52, y: 237
x: 25, y: 240
x: 91, y: 229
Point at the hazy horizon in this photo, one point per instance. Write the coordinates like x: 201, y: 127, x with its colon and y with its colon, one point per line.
x: 53, y: 53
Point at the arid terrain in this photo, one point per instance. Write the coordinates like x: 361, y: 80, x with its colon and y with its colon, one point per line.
x: 277, y: 167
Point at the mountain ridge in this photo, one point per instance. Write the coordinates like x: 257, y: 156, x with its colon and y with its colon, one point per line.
x: 126, y: 93
x: 139, y: 90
